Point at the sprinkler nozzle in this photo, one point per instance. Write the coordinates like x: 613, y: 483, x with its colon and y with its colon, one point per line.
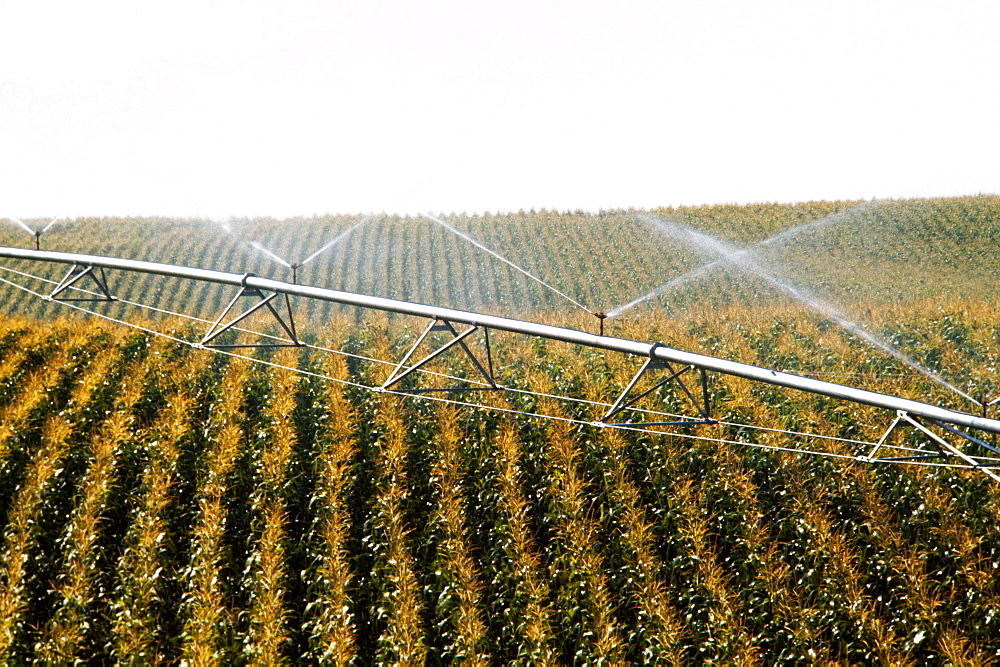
x: 601, y: 317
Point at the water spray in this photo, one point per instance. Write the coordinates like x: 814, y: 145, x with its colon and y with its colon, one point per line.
x: 781, y: 237
x: 742, y: 258
x: 23, y: 226
x: 294, y: 266
x: 36, y: 233
x: 260, y: 248
x: 335, y: 241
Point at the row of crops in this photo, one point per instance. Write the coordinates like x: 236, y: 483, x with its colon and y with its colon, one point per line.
x: 871, y: 253
x: 160, y: 503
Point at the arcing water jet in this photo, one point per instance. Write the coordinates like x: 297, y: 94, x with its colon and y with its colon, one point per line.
x: 788, y: 234
x: 744, y: 258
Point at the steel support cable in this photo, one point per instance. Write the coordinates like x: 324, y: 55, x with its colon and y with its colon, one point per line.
x: 102, y: 316
x: 572, y: 336
x: 740, y: 425
x: 380, y: 361
x: 515, y: 390
x: 621, y: 427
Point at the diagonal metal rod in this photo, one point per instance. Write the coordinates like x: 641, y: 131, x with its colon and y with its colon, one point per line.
x: 624, y: 401
x: 489, y: 351
x: 291, y: 320
x: 967, y: 437
x: 68, y: 280
x: 264, y: 302
x: 72, y: 277
x: 444, y: 348
x: 486, y: 374
x: 694, y: 401
x: 955, y: 451
x: 409, y: 353
x: 885, y: 436
x: 281, y: 321
x: 706, y: 398
x: 249, y: 311
x: 635, y: 380
x: 223, y: 314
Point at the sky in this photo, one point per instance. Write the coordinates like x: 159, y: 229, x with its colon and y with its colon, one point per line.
x: 298, y: 108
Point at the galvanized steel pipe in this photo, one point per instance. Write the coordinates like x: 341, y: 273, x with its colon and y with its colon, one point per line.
x: 624, y: 345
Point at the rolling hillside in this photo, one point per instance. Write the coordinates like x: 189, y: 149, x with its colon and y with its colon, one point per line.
x: 861, y: 254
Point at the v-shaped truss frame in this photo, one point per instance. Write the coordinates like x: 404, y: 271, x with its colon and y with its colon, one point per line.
x: 458, y: 339
x: 943, y: 449
x: 217, y: 328
x: 626, y: 399
x: 73, y: 276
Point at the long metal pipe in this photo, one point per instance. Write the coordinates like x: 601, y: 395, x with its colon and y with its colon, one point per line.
x: 624, y: 345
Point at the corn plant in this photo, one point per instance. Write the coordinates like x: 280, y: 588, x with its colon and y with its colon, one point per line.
x: 329, y: 619
x: 208, y: 635
x: 145, y: 563
x: 457, y: 588
x: 265, y: 569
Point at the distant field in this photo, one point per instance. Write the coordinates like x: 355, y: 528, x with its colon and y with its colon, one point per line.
x: 872, y: 254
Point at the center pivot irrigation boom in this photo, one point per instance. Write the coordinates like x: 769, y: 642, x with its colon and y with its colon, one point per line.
x: 675, y: 362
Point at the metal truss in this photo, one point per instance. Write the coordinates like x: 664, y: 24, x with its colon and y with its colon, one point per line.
x: 457, y: 339
x: 73, y: 276
x: 626, y: 400
x: 942, y: 448
x: 461, y: 325
x: 217, y: 328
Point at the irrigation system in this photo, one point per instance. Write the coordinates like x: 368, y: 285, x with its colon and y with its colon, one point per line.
x: 941, y: 427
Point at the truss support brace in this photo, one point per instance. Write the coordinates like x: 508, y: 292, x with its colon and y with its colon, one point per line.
x: 944, y: 448
x: 217, y: 328
x: 73, y: 276
x: 626, y: 399
x: 485, y: 370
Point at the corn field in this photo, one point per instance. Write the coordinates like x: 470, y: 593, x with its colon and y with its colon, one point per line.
x: 165, y: 504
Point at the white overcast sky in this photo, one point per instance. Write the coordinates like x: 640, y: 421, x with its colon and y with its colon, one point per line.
x: 287, y: 108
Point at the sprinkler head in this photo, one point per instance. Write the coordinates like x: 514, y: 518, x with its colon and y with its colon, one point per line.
x: 600, y: 316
